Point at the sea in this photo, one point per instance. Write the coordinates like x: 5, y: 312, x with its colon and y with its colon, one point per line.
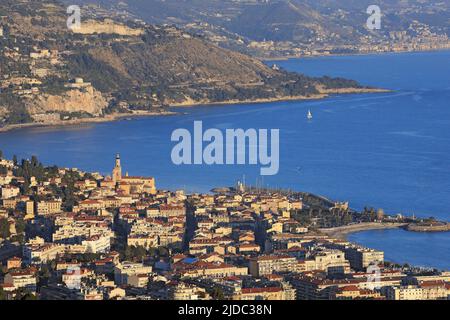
x: 383, y: 150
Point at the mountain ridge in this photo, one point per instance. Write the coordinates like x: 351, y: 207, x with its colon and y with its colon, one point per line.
x: 301, y: 27
x: 99, y: 70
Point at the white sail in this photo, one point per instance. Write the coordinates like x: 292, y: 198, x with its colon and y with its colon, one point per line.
x: 310, y: 116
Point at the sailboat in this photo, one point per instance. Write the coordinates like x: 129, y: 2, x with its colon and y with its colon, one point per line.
x: 309, y: 116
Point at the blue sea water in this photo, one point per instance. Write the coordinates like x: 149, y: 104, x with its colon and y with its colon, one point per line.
x: 386, y: 150
x: 401, y: 246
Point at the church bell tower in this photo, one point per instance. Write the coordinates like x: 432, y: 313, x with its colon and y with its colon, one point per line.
x: 117, y: 171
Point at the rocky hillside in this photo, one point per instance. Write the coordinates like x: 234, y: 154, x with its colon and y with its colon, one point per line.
x: 113, y: 65
x: 300, y: 26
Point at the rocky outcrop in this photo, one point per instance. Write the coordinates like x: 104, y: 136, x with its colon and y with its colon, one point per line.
x: 87, y: 100
x: 3, y: 111
x: 107, y: 27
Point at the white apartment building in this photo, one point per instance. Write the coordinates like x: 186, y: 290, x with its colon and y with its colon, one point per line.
x: 21, y: 279
x: 126, y: 269
x: 9, y: 192
x: 97, y: 244
x: 41, y: 253
x: 420, y: 292
x: 45, y: 208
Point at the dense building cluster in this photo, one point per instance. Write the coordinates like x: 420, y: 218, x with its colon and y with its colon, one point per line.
x: 69, y: 234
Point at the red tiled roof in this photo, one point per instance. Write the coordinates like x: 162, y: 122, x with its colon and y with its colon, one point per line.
x: 15, y: 259
x: 261, y: 290
x: 273, y: 276
x: 349, y: 288
x: 272, y: 257
x: 433, y: 283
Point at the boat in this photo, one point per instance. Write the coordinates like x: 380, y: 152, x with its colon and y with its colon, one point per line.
x: 309, y: 116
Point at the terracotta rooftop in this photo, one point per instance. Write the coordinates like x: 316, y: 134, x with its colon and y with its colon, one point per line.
x: 261, y: 290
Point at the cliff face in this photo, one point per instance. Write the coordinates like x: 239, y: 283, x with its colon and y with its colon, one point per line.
x: 107, y: 27
x: 87, y: 100
x: 3, y: 111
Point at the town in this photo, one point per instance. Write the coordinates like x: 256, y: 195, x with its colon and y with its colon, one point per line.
x: 66, y: 234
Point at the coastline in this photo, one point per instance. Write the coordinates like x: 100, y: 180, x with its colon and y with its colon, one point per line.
x: 64, y: 123
x: 324, y: 93
x: 285, y: 58
x: 342, y: 232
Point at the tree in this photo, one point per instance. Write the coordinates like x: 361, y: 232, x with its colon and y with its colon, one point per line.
x: 34, y: 161
x: 44, y: 275
x: 1, y: 154
x: 20, y: 225
x: 347, y: 219
x: 139, y: 252
x: 2, y: 294
x: 127, y: 253
x: 133, y: 253
x: 4, y: 229
x: 163, y: 252
x: 69, y: 198
x: 217, y: 293
x: 23, y: 294
x: 89, y: 257
x: 3, y: 271
x: 15, y: 161
x: 26, y: 187
x: 20, y: 238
